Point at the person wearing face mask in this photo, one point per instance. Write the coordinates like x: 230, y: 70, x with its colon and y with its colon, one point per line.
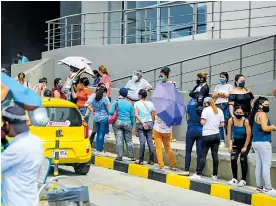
x: 201, y: 88
x: 221, y: 94
x: 106, y: 80
x: 135, y: 85
x: 240, y: 96
x: 240, y: 131
x: 261, y: 142
x: 57, y: 90
x: 21, y: 160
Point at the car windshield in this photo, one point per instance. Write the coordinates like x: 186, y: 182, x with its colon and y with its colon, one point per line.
x: 57, y: 116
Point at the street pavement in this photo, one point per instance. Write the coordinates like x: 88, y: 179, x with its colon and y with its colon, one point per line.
x: 109, y: 187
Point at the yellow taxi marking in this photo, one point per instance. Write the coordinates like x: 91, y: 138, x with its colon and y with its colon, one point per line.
x: 104, y: 162
x: 262, y: 200
x: 222, y: 191
x: 178, y: 181
x: 138, y: 170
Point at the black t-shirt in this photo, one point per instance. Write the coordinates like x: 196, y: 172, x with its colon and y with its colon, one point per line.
x: 243, y: 100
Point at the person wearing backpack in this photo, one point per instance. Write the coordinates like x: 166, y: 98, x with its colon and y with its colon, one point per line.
x: 240, y: 131
x: 144, y: 113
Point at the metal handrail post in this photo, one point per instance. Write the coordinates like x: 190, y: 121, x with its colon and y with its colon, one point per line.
x: 213, y: 8
x: 125, y: 27
x: 54, y: 36
x: 146, y: 25
x: 84, y: 28
x: 181, y: 71
x: 194, y: 20
x: 103, y: 26
x: 220, y: 16
x: 65, y: 32
x: 158, y: 24
x: 210, y: 69
x: 48, y: 40
x: 154, y: 77
x: 71, y: 34
x: 169, y: 22
x: 240, y: 59
x: 249, y: 19
x: 274, y: 57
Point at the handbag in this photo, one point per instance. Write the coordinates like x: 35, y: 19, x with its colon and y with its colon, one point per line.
x: 113, y: 118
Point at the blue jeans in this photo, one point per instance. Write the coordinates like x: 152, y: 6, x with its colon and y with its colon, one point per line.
x: 93, y: 134
x: 226, y: 112
x: 102, y: 128
x: 191, y: 138
x: 83, y: 111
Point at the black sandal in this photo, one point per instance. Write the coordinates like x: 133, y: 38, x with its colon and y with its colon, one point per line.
x: 138, y: 162
x: 150, y: 162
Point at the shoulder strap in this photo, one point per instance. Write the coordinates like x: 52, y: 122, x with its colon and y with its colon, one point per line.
x: 233, y: 121
x: 243, y: 121
x: 146, y: 107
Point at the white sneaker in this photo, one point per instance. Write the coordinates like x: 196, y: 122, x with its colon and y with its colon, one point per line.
x: 214, y: 177
x: 270, y: 192
x: 195, y: 177
x: 95, y: 153
x: 222, y: 144
x: 242, y: 183
x: 233, y: 182
x: 260, y: 189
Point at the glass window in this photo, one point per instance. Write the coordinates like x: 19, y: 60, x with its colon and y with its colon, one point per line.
x: 201, y: 19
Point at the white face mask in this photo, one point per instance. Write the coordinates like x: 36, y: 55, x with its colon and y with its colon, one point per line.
x: 134, y: 78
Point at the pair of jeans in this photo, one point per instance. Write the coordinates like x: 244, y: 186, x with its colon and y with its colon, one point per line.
x: 93, y: 133
x: 102, y: 130
x: 226, y: 113
x: 166, y: 139
x: 191, y: 138
x: 209, y: 142
x: 145, y: 135
x: 123, y: 133
x: 263, y: 151
x: 237, y: 146
x: 83, y: 111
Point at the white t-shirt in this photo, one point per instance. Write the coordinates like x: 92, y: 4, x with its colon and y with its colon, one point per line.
x: 223, y: 88
x: 144, y: 110
x: 212, y: 121
x: 134, y: 88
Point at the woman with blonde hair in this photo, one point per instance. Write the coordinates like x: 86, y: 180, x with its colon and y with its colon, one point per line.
x: 106, y: 80
x: 21, y: 80
x: 212, y: 119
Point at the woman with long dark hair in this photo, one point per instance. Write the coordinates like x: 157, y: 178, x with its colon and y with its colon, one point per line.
x: 262, y: 138
x: 100, y: 106
x: 211, y: 118
x: 240, y: 131
x: 57, y: 90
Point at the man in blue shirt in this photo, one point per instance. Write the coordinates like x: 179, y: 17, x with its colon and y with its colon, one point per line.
x: 20, y: 161
x: 21, y: 58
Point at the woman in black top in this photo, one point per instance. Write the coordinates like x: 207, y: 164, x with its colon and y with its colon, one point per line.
x: 201, y: 89
x: 240, y: 96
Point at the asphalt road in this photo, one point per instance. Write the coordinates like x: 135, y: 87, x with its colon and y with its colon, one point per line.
x: 109, y: 187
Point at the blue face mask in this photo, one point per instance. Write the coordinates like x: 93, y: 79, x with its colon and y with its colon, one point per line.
x: 222, y: 80
x: 241, y: 84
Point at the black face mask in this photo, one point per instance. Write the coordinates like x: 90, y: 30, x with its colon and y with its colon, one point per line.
x: 202, y: 80
x: 265, y: 109
x: 238, y: 116
x: 198, y: 81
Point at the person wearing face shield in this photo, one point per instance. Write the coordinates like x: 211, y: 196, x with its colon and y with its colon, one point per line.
x: 21, y: 160
x: 135, y: 85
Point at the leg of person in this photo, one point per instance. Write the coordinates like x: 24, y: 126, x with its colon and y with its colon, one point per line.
x: 93, y: 134
x: 148, y: 134
x: 101, y: 134
x: 199, y: 143
x: 244, y: 166
x: 214, y: 151
x: 119, y: 139
x: 234, y: 162
x: 203, y: 155
x: 190, y: 140
x: 158, y: 146
x: 97, y: 127
x: 140, y: 131
x: 226, y: 113
x: 266, y: 151
x: 259, y: 167
x: 128, y: 140
x: 168, y: 149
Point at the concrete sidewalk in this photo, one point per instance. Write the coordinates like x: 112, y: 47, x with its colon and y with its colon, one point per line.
x: 178, y: 147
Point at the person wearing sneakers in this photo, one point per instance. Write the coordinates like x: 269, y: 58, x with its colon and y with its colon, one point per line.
x: 262, y: 138
x: 240, y: 130
x: 212, y: 119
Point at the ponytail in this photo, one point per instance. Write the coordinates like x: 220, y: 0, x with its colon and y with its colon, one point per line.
x: 213, y: 105
x: 255, y: 109
x: 100, y: 92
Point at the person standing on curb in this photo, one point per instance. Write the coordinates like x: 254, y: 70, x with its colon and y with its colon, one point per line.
x: 211, y: 118
x: 240, y: 131
x: 144, y: 112
x: 262, y: 138
x: 20, y: 161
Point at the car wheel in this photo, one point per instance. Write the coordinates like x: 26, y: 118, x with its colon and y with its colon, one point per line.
x: 81, y: 169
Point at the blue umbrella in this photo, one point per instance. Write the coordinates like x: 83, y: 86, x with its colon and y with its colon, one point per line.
x: 169, y: 104
x: 26, y: 97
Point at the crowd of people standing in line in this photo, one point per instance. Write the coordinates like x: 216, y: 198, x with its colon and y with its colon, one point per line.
x: 229, y: 117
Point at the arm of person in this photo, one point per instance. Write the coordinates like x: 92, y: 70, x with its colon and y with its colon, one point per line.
x: 215, y: 94
x: 10, y: 158
x: 153, y: 114
x: 248, y: 135
x: 148, y: 87
x: 222, y: 120
x: 112, y: 109
x: 74, y: 94
x: 231, y: 101
x: 107, y: 102
x: 229, y: 134
x: 203, y: 117
x: 192, y: 93
x: 137, y: 116
x: 264, y: 120
x: 56, y: 94
x: 204, y: 91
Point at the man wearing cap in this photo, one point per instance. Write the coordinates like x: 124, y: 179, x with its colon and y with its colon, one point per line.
x: 135, y: 85
x: 21, y: 160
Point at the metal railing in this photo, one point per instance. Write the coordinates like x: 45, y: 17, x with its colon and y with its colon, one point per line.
x: 141, y: 25
x: 255, y: 58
